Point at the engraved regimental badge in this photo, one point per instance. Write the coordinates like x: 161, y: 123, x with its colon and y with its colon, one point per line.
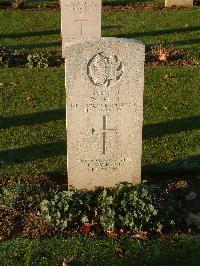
x: 105, y: 69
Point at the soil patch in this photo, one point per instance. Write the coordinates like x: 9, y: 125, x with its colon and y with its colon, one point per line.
x: 110, y: 7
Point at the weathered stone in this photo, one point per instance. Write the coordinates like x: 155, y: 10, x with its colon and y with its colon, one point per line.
x: 191, y: 196
x: 186, y: 3
x: 80, y: 19
x: 104, y: 88
x: 193, y: 219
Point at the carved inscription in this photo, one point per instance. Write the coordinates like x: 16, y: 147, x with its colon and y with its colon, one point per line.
x: 107, y: 164
x: 105, y: 69
x: 102, y: 107
x: 81, y: 6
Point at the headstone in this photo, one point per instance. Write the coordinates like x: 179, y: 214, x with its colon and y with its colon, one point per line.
x: 104, y: 88
x: 185, y: 3
x: 80, y: 19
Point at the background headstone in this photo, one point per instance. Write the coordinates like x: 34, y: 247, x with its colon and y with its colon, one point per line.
x: 186, y: 3
x: 80, y: 19
x: 104, y: 88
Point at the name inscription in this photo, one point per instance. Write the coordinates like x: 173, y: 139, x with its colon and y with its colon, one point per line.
x: 81, y: 6
x: 104, y: 164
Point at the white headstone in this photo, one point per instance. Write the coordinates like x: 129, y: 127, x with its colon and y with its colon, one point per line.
x: 185, y: 3
x: 104, y: 87
x: 80, y: 19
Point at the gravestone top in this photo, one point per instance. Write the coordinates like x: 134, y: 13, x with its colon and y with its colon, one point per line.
x: 104, y: 87
x: 80, y: 19
x: 185, y: 3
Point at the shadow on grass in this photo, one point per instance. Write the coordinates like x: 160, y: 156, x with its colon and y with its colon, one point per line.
x: 33, y: 45
x: 158, y: 32
x: 33, y: 152
x: 29, y: 34
x: 43, y: 151
x: 171, y: 127
x: 149, y: 131
x: 190, y: 165
x: 33, y: 118
x: 122, y: 2
x: 112, y: 26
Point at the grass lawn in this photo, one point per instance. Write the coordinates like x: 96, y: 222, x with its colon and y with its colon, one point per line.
x: 179, y: 251
x: 32, y: 128
x: 40, y: 30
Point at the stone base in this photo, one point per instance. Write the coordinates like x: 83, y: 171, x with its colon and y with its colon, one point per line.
x: 185, y: 3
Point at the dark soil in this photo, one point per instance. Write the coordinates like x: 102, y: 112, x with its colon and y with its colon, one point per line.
x: 17, y: 58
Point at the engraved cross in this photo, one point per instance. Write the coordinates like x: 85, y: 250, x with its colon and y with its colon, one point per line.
x: 80, y: 21
x: 105, y: 129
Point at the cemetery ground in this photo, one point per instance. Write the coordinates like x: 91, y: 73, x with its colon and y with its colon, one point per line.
x: 33, y: 136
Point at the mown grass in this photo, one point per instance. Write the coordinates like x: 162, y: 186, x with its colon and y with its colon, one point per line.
x: 33, y: 135
x: 184, y: 250
x: 40, y: 30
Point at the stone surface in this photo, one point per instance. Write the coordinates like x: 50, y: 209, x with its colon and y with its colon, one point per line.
x: 191, y: 196
x: 80, y: 19
x: 104, y: 88
x: 186, y: 3
x: 193, y: 219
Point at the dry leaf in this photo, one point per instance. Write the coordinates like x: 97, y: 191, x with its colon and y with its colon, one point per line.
x: 67, y: 262
x: 163, y: 56
x: 2, y: 237
x: 86, y: 228
x: 120, y: 253
x: 1, y: 84
x: 159, y: 231
x: 116, y: 232
x: 13, y: 84
x: 5, y: 94
x: 30, y: 99
x: 140, y: 235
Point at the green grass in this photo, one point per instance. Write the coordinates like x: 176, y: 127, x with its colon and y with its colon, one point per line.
x: 33, y: 136
x: 172, y: 120
x: 179, y: 251
x: 180, y: 27
x: 40, y: 30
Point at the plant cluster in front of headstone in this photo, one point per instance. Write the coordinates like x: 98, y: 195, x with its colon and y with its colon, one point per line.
x: 126, y: 206
x: 21, y: 58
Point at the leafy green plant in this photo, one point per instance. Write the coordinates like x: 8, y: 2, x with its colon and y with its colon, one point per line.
x: 37, y: 60
x: 66, y: 208
x: 126, y: 206
x: 135, y: 206
x: 105, y: 209
x: 21, y: 58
